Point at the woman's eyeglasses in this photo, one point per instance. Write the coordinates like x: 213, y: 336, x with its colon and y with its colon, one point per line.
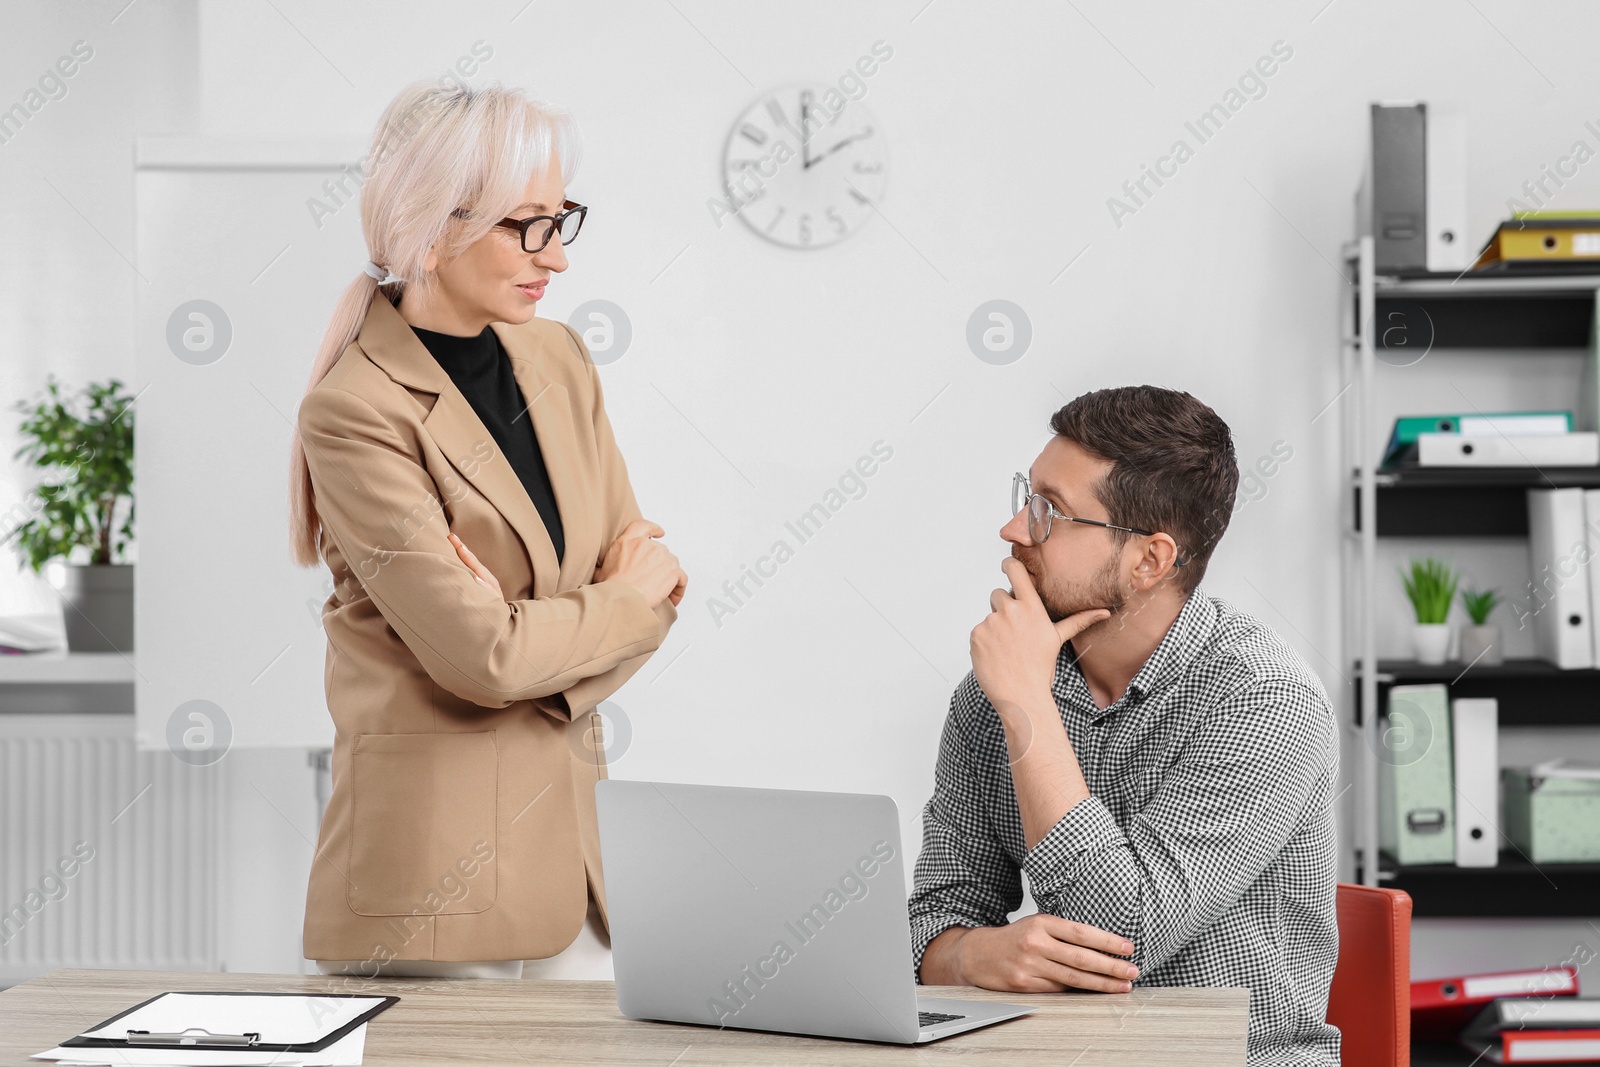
x: 537, y: 230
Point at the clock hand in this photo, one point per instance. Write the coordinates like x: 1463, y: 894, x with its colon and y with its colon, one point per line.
x: 864, y: 133
x: 805, y: 138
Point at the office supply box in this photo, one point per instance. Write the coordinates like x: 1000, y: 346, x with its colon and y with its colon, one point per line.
x: 1415, y: 783
x: 1552, y: 811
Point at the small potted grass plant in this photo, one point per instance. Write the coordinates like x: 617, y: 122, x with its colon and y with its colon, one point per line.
x: 1431, y: 587
x: 1480, y: 642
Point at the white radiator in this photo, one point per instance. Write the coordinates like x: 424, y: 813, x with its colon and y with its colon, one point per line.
x: 108, y: 857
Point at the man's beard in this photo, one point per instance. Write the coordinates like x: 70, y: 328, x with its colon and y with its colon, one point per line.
x: 1060, y: 601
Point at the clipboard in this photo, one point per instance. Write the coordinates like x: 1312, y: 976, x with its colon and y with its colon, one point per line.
x: 200, y: 1038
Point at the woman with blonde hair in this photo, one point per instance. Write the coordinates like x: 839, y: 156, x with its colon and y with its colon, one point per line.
x: 493, y: 578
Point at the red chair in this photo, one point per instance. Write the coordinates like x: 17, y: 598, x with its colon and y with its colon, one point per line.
x: 1370, y: 1000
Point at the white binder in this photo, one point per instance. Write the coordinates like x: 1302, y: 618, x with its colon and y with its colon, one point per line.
x: 1591, y: 530
x: 1580, y: 448
x: 1445, y: 172
x: 1557, y: 604
x: 1475, y: 734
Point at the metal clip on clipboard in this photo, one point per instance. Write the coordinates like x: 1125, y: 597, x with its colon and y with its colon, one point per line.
x: 194, y: 1035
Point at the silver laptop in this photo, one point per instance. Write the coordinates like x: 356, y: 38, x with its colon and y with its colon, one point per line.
x: 767, y: 909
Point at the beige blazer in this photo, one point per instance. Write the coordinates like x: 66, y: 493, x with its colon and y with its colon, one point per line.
x: 462, y: 823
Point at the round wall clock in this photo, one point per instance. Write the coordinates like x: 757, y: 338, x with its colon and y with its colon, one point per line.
x: 804, y: 165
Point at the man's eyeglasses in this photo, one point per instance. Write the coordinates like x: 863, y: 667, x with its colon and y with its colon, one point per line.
x: 1041, y: 511
x: 537, y: 230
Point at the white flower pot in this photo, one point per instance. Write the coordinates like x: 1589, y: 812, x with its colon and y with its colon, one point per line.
x: 1483, y: 639
x: 1431, y: 642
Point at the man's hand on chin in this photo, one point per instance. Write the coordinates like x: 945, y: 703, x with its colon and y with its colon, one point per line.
x: 1015, y: 647
x: 1036, y: 954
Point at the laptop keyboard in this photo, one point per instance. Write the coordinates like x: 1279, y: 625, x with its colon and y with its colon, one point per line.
x: 934, y: 1018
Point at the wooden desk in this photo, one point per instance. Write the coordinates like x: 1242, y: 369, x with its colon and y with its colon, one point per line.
x: 479, y: 1022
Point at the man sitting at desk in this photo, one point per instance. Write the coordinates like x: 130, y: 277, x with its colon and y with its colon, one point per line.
x: 1160, y: 764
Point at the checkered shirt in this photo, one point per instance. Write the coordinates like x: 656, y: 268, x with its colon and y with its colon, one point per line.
x: 1208, y: 839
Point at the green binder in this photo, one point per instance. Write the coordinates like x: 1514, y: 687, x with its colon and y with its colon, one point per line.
x: 1416, y: 781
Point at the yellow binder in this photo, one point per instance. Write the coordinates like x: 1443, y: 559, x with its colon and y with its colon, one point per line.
x: 1540, y: 236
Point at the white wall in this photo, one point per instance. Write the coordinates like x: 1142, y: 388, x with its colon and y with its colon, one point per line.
x: 66, y: 208
x: 757, y: 375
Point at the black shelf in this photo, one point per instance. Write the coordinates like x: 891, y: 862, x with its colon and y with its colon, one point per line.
x: 1503, y: 309
x: 1457, y: 502
x: 1531, y: 278
x: 1518, y: 310
x: 1516, y: 888
x: 1431, y: 322
x: 1441, y: 1054
x: 1530, y: 692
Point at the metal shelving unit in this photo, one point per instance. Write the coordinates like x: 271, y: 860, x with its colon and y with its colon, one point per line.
x: 1550, y: 311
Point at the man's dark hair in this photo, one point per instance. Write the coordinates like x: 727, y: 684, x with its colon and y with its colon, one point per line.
x: 1173, y: 467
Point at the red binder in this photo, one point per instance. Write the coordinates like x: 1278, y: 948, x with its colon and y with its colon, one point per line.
x: 1548, y: 1046
x: 1442, y: 1006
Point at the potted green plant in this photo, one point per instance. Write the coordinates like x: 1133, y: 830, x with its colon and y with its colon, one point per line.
x: 1480, y: 642
x: 1431, y: 586
x: 84, y: 446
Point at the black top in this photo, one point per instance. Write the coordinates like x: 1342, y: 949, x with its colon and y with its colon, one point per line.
x: 482, y: 371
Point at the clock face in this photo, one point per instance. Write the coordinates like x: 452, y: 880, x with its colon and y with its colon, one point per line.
x: 804, y: 166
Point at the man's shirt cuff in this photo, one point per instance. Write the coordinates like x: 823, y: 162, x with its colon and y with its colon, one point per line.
x: 923, y: 932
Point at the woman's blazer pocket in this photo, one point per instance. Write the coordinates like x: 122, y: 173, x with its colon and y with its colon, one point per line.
x: 423, y: 838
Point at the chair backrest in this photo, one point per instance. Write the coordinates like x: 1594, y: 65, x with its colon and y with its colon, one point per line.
x: 1370, y: 1000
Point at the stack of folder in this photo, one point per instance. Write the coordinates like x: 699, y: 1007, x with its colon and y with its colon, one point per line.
x: 1561, y: 1030
x: 1543, y: 241
x: 1498, y: 439
x: 1442, y: 1007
